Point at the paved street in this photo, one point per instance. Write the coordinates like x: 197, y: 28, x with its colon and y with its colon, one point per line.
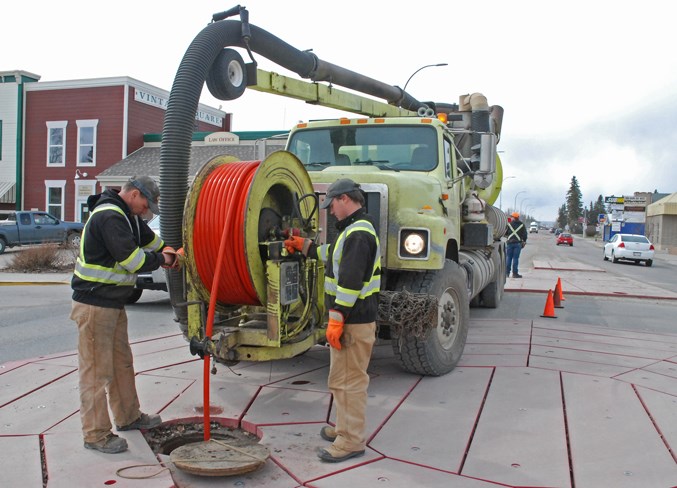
x: 587, y: 399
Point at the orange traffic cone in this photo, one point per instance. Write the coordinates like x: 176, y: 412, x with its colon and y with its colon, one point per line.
x: 559, y: 286
x: 557, y: 295
x: 549, y: 310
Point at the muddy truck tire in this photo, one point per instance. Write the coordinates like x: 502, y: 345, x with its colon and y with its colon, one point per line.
x: 440, y: 350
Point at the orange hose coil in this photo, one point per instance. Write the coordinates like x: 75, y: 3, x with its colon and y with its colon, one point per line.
x: 221, y: 208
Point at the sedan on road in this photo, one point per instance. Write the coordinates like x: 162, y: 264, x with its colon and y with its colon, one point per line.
x: 564, y: 238
x: 629, y: 247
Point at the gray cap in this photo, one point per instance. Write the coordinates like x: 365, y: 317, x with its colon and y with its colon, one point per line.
x: 338, y: 188
x: 149, y: 189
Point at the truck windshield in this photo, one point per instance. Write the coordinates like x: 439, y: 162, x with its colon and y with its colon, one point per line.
x: 388, y: 147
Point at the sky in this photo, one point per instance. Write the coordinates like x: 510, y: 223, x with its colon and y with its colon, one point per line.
x: 589, y: 88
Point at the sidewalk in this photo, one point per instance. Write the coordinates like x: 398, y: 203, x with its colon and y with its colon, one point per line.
x: 537, y: 403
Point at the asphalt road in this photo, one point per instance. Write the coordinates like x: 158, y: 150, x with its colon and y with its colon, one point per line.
x: 35, y: 319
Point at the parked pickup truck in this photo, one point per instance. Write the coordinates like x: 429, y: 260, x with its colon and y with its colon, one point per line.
x: 23, y: 228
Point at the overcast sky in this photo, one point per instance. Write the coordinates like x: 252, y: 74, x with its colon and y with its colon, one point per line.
x: 589, y: 87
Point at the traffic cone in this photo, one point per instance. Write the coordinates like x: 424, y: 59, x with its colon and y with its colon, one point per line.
x: 559, y: 287
x: 557, y: 295
x: 549, y: 310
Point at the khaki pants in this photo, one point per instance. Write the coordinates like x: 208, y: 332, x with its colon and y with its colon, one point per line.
x: 105, y: 366
x: 348, y: 382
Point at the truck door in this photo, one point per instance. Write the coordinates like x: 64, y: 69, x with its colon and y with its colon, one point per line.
x: 46, y: 228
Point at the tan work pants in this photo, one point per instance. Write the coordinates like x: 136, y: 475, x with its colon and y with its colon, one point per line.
x: 348, y: 382
x: 105, y: 365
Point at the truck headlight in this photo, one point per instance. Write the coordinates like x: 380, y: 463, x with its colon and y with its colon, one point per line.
x: 414, y: 243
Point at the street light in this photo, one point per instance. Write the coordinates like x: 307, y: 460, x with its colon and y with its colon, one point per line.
x: 422, y: 67
x: 514, y: 205
x: 500, y: 195
x: 522, y: 202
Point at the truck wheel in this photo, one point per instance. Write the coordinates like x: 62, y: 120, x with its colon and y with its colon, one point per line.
x: 3, y: 245
x: 227, y: 77
x: 492, y: 294
x: 440, y: 351
x: 73, y: 240
x: 136, y: 294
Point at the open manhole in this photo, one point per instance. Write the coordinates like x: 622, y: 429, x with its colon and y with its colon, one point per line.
x: 228, y: 452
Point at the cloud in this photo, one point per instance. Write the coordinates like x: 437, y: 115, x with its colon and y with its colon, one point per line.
x: 633, y: 152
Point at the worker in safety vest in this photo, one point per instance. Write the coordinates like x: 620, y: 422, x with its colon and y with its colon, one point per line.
x: 517, y: 239
x: 352, y: 283
x: 116, y: 245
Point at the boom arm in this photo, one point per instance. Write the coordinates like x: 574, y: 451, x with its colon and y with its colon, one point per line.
x: 326, y: 96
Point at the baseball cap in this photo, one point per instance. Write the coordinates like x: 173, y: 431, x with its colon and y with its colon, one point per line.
x: 149, y: 189
x: 338, y: 188
x: 516, y: 215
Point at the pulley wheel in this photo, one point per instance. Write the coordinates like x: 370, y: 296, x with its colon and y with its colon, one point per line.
x: 218, y: 458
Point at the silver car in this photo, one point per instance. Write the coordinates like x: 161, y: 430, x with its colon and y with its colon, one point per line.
x: 629, y: 247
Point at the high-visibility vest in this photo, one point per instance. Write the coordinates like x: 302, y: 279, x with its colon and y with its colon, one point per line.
x: 345, y: 296
x: 514, y: 232
x: 122, y: 273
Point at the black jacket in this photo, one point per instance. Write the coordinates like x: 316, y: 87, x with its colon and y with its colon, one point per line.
x: 356, y: 266
x: 108, y: 239
x: 516, y: 231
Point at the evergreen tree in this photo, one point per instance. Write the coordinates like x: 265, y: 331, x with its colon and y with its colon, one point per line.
x: 598, y: 208
x: 574, y: 206
x: 562, y: 216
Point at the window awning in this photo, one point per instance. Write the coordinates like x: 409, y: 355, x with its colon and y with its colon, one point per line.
x: 6, y: 187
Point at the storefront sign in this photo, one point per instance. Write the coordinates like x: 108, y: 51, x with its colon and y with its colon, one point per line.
x: 159, y: 101
x: 222, y: 138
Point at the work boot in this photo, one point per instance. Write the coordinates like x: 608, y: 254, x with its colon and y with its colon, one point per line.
x: 145, y: 422
x: 516, y: 275
x: 111, y: 444
x: 328, y: 433
x: 335, y: 455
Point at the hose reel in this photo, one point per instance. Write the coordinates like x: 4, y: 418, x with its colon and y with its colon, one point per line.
x: 249, y: 208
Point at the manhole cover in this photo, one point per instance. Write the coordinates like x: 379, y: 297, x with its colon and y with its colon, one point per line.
x: 229, y: 451
x: 218, y: 458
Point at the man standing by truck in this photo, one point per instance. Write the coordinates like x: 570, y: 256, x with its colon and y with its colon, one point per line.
x: 517, y: 239
x: 116, y: 244
x: 352, y: 284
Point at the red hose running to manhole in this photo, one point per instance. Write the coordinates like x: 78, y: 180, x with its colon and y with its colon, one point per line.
x: 219, y: 230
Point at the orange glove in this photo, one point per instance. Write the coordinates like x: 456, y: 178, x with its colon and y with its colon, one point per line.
x: 177, y: 257
x: 335, y: 329
x: 296, y: 243
x: 180, y: 258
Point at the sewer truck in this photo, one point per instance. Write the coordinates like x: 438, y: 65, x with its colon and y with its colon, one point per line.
x: 430, y: 173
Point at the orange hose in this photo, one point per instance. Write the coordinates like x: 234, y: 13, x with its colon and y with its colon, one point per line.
x: 221, y: 206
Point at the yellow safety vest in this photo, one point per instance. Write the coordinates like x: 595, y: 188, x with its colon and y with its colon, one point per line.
x: 345, y: 296
x: 122, y: 273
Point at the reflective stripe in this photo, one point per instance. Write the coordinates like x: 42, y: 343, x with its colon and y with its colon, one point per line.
x: 101, y: 274
x: 346, y: 296
x: 122, y: 273
x: 155, y: 244
x: 323, y: 252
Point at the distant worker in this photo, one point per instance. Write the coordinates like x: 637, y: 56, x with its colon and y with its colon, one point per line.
x: 352, y: 284
x: 517, y: 239
x: 116, y: 245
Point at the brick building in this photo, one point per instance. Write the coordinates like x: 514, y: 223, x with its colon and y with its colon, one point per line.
x: 74, y: 130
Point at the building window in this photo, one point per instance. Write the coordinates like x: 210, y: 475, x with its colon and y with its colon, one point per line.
x: 87, y: 142
x: 54, y: 192
x: 56, y: 143
x: 0, y: 140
